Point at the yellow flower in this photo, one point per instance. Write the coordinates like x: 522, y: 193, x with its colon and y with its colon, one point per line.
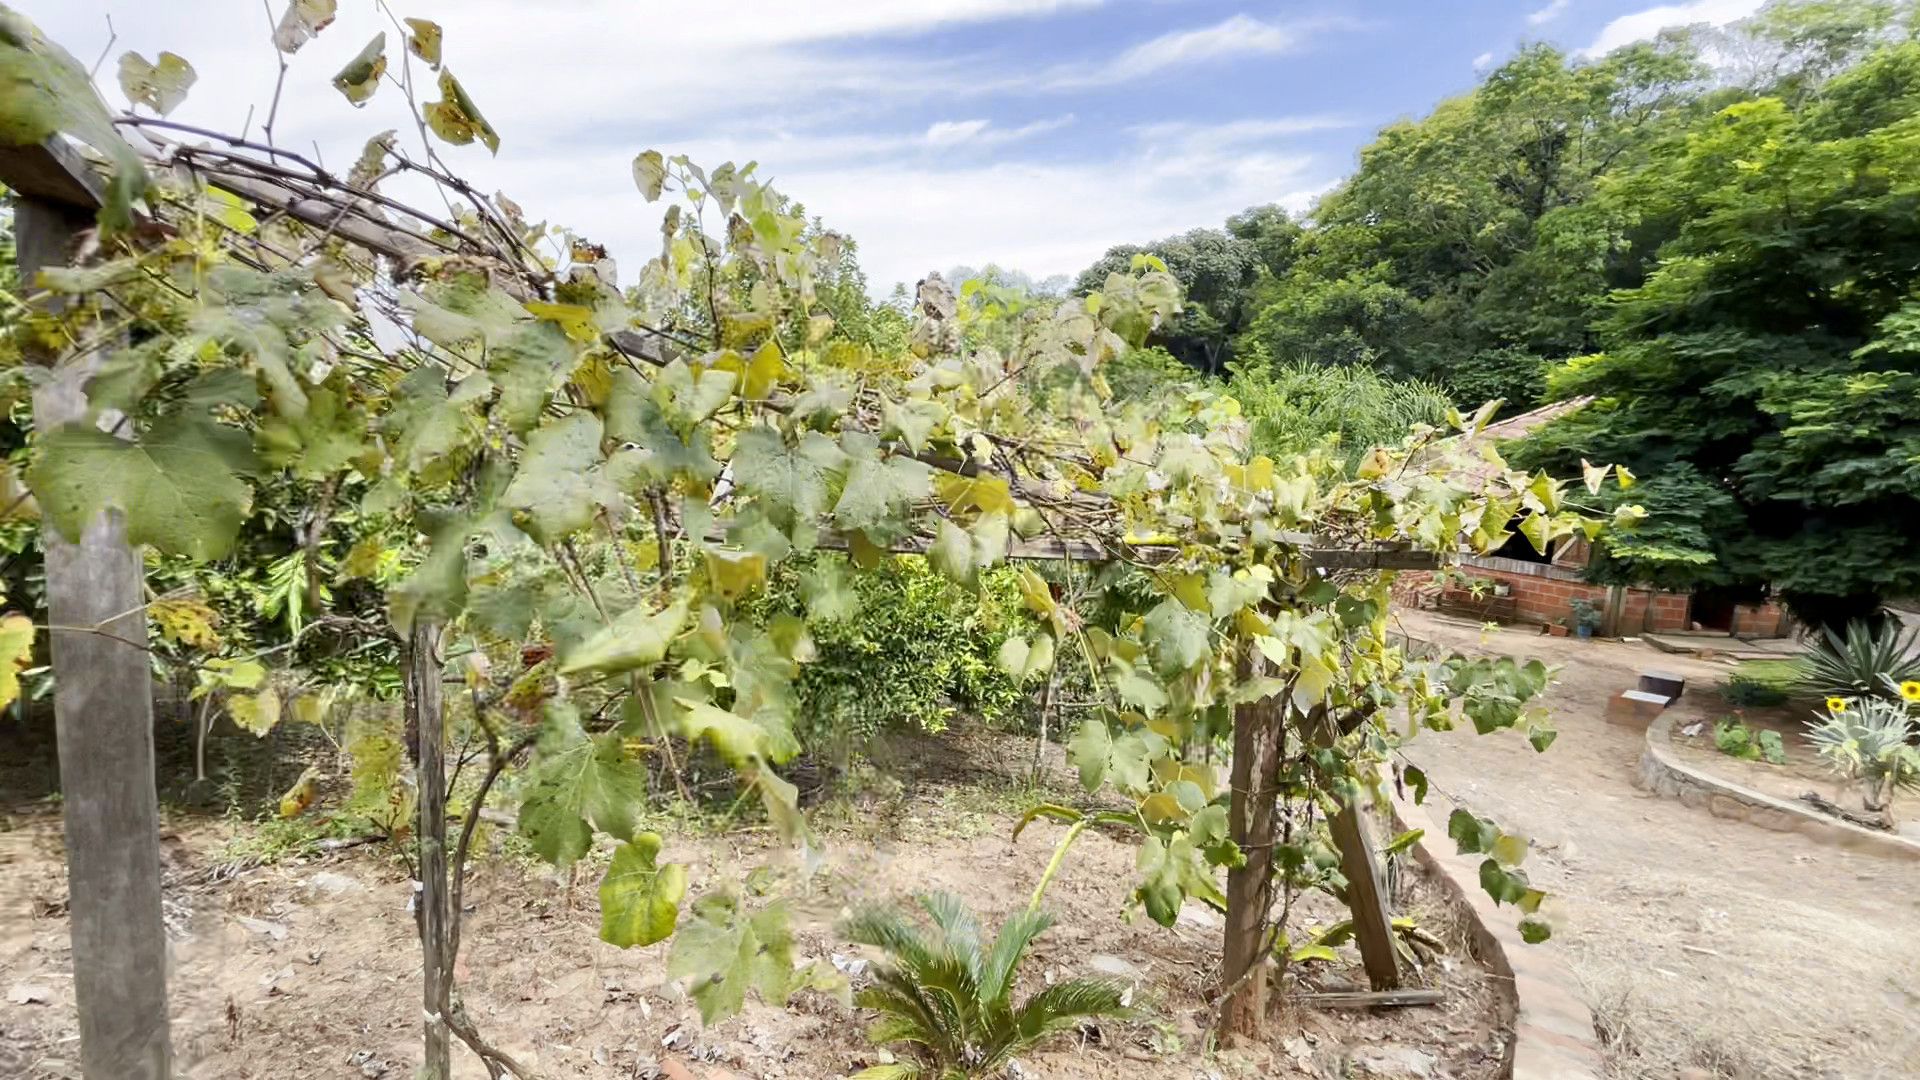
x: 1910, y: 689
x: 1836, y: 704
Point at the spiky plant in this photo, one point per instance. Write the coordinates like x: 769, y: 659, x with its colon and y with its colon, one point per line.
x: 1863, y: 663
x: 1867, y: 741
x: 949, y: 996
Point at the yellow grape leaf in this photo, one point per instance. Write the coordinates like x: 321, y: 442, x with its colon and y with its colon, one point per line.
x: 258, y: 713
x: 16, y: 652
x: 311, y: 709
x: 301, y: 795
x: 186, y: 621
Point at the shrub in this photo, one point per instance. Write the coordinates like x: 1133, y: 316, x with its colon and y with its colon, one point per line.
x: 1734, y: 738
x: 1865, y: 663
x: 949, y: 996
x: 1745, y: 691
x: 1867, y: 740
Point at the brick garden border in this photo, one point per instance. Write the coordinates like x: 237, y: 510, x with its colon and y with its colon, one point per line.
x: 1663, y: 773
x: 1553, y: 1031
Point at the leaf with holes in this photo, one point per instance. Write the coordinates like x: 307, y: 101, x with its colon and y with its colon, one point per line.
x: 456, y: 119
x: 361, y: 77
x: 181, y: 485
x: 161, y: 85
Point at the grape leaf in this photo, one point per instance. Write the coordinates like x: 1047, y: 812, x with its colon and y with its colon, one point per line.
x: 634, y: 417
x: 635, y: 639
x: 258, y: 713
x: 424, y: 41
x: 16, y: 652
x: 650, y: 173
x: 303, y: 21
x: 180, y: 486
x: 576, y: 779
x: 830, y: 593
x: 456, y: 119
x: 1024, y: 662
x: 952, y: 552
x: 877, y: 495
x: 361, y: 77
x: 49, y: 92
x: 161, y: 85
x: 560, y: 485
x: 639, y: 899
x: 1089, y: 750
x: 722, y: 951
x: 789, y: 483
x: 319, y: 442
x: 1178, y: 637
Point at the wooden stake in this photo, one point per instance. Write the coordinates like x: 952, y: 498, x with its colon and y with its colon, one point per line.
x: 426, y: 734
x: 103, y: 717
x: 1372, y: 925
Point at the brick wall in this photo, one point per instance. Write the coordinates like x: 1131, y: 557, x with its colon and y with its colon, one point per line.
x: 1760, y: 620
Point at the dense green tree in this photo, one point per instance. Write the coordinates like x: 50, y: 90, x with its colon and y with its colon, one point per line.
x: 1218, y: 270
x: 1766, y: 374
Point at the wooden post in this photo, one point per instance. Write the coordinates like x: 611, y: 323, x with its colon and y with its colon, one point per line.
x: 426, y: 734
x: 1257, y: 729
x: 103, y: 719
x: 1372, y: 925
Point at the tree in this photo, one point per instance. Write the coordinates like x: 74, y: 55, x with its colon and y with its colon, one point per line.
x: 1215, y: 270
x: 1767, y: 374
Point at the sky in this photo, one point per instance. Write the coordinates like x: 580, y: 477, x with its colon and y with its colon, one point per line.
x: 1033, y: 134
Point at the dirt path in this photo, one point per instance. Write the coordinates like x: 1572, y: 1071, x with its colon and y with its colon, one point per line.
x: 308, y: 970
x: 1701, y: 943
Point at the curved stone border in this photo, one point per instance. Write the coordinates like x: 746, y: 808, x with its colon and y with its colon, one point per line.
x: 1553, y: 1032
x: 1663, y: 773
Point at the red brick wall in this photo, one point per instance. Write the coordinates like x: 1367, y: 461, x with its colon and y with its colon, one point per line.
x: 1539, y: 598
x: 1759, y: 620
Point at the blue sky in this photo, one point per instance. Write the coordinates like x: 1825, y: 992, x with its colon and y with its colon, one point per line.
x: 1032, y: 133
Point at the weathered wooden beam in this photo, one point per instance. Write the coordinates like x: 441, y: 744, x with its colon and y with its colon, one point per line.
x: 426, y: 736
x: 103, y: 719
x: 52, y: 172
x: 1372, y: 925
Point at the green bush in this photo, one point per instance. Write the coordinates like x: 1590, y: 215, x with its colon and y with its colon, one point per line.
x: 1735, y: 739
x: 914, y: 650
x: 1745, y: 691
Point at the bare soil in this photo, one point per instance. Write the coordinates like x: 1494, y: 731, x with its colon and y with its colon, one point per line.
x: 309, y: 968
x: 1701, y: 943
x: 1801, y: 773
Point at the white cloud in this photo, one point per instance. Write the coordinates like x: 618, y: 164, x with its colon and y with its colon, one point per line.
x: 1483, y: 61
x: 1241, y: 35
x: 982, y: 133
x: 1644, y: 25
x: 1549, y: 13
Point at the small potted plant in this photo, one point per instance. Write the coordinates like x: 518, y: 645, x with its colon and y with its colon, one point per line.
x: 1558, y: 628
x: 1586, y: 618
x: 1502, y: 588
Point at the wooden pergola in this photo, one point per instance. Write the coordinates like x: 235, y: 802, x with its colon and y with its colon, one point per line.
x: 95, y: 592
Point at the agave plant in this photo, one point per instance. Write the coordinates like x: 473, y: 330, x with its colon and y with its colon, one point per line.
x: 1864, y: 663
x: 1867, y: 740
x: 949, y: 996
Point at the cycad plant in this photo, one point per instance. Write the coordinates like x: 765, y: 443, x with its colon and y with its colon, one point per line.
x: 1864, y: 663
x: 949, y: 995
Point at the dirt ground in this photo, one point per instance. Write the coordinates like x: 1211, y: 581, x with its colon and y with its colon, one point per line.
x: 309, y: 968
x: 1802, y: 772
x: 1701, y: 943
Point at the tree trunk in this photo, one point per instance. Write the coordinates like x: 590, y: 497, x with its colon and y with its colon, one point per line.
x: 103, y: 719
x: 426, y: 734
x: 1250, y: 823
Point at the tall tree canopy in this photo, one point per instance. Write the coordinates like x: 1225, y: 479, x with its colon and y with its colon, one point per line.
x: 1766, y: 376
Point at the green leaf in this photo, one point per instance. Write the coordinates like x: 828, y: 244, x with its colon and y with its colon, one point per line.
x: 559, y: 486
x: 257, y: 713
x: 640, y: 900
x: 634, y: 417
x: 788, y: 483
x: 1024, y: 662
x: 1475, y: 835
x: 161, y: 85
x: 1542, y: 736
x: 361, y: 77
x: 424, y: 41
x: 1534, y: 930
x: 650, y: 173
x: 319, y: 442
x: 1089, y: 750
x: 1402, y: 842
x: 739, y: 740
x: 1130, y: 764
x: 1505, y: 886
x: 1534, y: 528
x: 951, y: 554
x: 437, y: 587
x: 878, y: 493
x: 47, y: 91
x: 1510, y: 850
x: 722, y: 951
x: 1416, y: 779
x: 830, y: 593
x: 180, y: 486
x: 456, y: 119
x: 302, y: 21
x: 635, y: 639
x: 1178, y: 637
x: 575, y: 781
